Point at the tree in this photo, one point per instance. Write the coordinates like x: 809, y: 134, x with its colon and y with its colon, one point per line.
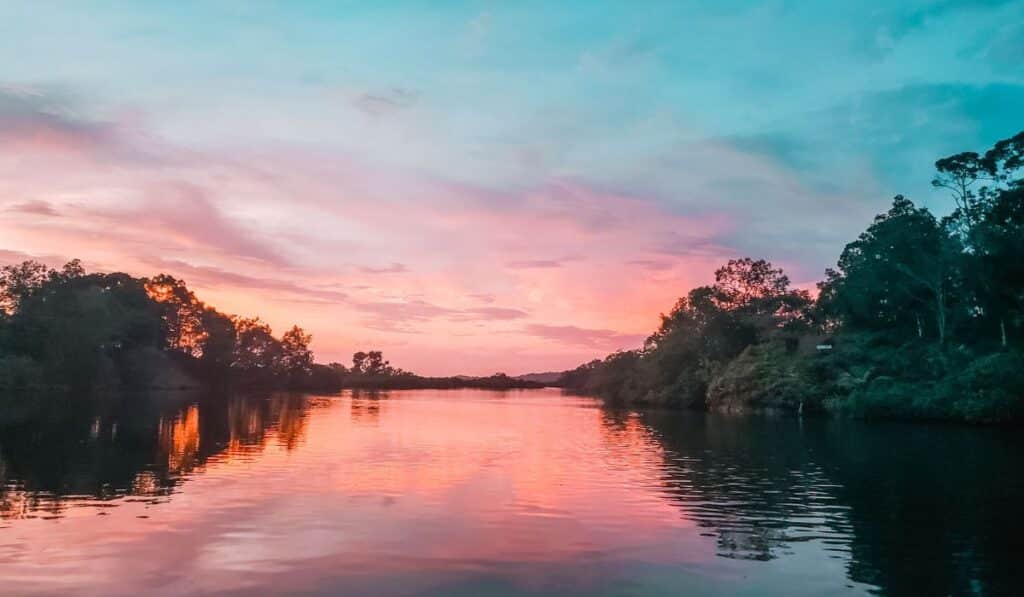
x: 359, y: 362
x: 255, y: 346
x: 1004, y: 159
x: 296, y: 358
x: 73, y: 328
x: 997, y: 264
x: 181, y: 313
x: 749, y: 284
x: 988, y: 222
x: 79, y: 327
x: 219, y: 339
x: 958, y: 173
x: 750, y: 302
x: 760, y: 294
x: 19, y: 282
x: 372, y: 363
x: 898, y: 273
x: 375, y: 363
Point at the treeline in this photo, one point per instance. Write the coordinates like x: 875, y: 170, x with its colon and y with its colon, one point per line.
x: 370, y: 370
x: 65, y: 328
x: 921, y: 318
x: 68, y: 328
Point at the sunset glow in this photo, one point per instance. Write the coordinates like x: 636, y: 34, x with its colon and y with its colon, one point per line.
x: 478, y: 186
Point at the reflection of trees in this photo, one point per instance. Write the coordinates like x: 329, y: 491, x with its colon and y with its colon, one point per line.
x: 736, y: 478
x: 245, y: 425
x: 918, y: 510
x: 179, y: 439
x: 133, y: 445
x: 932, y: 508
x: 290, y: 416
x: 365, y: 405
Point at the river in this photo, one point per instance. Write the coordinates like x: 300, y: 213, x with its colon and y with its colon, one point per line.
x: 471, y: 492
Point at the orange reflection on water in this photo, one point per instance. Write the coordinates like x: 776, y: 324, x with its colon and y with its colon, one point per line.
x: 245, y: 425
x: 179, y: 439
x: 428, y: 484
x: 290, y: 420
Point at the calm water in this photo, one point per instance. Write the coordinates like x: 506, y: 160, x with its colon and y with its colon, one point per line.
x: 488, y: 493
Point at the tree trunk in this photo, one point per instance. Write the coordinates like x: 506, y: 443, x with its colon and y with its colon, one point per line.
x: 920, y: 330
x: 940, y: 316
x: 1002, y: 332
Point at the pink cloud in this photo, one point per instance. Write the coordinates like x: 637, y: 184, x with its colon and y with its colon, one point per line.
x: 185, y: 213
x: 609, y: 340
x: 394, y: 268
x: 258, y: 232
x: 33, y: 121
x: 206, y: 276
x: 35, y: 207
x: 535, y: 264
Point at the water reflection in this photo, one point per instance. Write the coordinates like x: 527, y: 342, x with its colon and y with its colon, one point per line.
x: 365, y: 405
x: 494, y: 493
x: 179, y: 440
x: 751, y: 483
x: 138, y: 445
x: 911, y: 509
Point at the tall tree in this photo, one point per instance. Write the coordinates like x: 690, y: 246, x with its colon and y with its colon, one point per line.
x: 255, y: 346
x: 19, y: 282
x: 959, y: 173
x: 181, y: 313
x: 296, y: 358
x: 900, y: 273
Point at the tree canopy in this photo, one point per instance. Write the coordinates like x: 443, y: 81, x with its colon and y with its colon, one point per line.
x: 926, y: 315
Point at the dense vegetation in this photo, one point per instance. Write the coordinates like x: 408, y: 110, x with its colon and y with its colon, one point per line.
x: 921, y: 318
x: 66, y: 328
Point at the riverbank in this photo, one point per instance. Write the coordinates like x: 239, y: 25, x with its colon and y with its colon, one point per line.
x: 855, y: 376
x: 921, y: 318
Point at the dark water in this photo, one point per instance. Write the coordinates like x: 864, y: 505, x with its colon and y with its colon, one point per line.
x: 487, y: 493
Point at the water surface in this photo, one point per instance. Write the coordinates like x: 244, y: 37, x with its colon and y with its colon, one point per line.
x: 498, y: 493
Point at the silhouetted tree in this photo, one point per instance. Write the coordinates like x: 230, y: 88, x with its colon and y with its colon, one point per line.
x: 296, y: 358
x: 181, y: 313
x: 255, y: 346
x: 899, y: 274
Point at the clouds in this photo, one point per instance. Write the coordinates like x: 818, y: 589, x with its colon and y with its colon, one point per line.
x: 394, y: 268
x: 535, y: 264
x: 210, y: 276
x: 184, y: 213
x: 385, y: 103
x: 897, y: 134
x: 451, y: 185
x: 35, y: 207
x: 407, y: 316
x: 607, y: 340
x: 278, y: 236
x: 33, y: 119
x: 8, y: 257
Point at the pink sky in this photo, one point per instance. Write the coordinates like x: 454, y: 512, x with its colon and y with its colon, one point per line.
x: 474, y: 188
x: 445, y: 277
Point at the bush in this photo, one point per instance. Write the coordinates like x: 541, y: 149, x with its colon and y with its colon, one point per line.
x: 989, y: 389
x: 764, y: 376
x: 930, y: 384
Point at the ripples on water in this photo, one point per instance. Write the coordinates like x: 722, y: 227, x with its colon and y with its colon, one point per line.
x: 473, y: 492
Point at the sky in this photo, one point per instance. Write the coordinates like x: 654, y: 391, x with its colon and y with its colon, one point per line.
x: 475, y: 187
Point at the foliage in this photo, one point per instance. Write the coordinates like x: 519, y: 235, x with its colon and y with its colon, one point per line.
x: 750, y: 302
x: 922, y: 318
x: 69, y: 328
x: 763, y: 376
